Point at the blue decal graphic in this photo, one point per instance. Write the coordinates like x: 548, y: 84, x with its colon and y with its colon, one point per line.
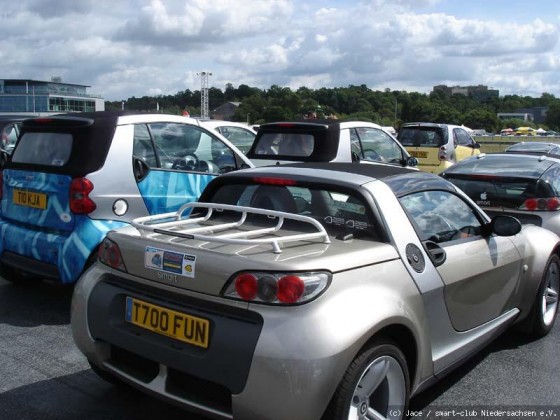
x: 166, y: 191
x: 53, y: 235
x: 56, y: 216
x: 68, y: 253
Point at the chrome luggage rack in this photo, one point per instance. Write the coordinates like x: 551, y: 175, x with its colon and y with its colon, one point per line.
x: 179, y: 225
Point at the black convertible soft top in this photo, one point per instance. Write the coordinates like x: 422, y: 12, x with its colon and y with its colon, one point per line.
x: 92, y: 134
x: 325, y: 133
x: 401, y: 180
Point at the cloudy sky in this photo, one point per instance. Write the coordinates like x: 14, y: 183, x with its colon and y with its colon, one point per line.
x: 125, y: 48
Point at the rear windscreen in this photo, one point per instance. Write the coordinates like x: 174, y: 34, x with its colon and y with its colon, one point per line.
x: 49, y: 149
x: 70, y: 145
x: 285, y: 144
x: 422, y: 137
x: 303, y: 143
x: 507, y: 193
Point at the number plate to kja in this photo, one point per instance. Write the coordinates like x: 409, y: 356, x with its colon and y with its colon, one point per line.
x: 30, y: 199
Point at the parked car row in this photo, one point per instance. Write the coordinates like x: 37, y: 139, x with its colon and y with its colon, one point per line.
x: 60, y: 190
x: 315, y: 265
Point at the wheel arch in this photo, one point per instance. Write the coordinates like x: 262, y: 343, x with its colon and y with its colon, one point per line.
x: 405, y: 340
x: 397, y: 334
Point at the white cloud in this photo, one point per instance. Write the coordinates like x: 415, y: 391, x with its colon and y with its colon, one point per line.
x: 136, y: 48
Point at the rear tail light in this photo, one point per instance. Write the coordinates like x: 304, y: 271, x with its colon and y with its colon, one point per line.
x: 277, y: 288
x: 442, y: 154
x: 290, y: 289
x: 541, y: 204
x: 110, y: 254
x: 274, y: 181
x: 80, y: 203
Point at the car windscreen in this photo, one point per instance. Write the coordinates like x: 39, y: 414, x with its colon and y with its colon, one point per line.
x: 177, y: 139
x: 420, y: 136
x: 240, y: 137
x: 375, y: 145
x: 176, y: 142
x: 340, y: 212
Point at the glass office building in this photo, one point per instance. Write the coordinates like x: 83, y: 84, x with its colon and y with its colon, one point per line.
x: 37, y: 97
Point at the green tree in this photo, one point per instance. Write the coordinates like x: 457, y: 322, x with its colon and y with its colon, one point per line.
x: 355, y: 101
x: 553, y: 116
x: 512, y: 123
x: 251, y: 108
x: 416, y: 107
x: 482, y: 118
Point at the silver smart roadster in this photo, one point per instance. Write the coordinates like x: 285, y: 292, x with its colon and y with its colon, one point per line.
x: 311, y: 291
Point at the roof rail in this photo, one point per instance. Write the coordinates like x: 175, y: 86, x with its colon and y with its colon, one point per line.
x: 180, y: 225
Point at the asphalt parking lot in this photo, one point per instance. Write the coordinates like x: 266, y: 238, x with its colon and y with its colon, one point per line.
x: 44, y: 376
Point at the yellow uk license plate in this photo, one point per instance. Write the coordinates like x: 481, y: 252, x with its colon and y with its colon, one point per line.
x: 183, y: 327
x: 419, y: 154
x: 30, y: 199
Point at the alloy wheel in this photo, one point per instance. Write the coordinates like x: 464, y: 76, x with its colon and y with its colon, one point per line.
x: 380, y: 392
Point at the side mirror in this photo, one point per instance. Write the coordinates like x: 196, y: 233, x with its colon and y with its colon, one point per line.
x: 411, y: 161
x: 503, y: 225
x: 476, y: 145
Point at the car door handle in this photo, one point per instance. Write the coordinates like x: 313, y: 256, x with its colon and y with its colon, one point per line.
x: 140, y: 169
x: 435, y: 252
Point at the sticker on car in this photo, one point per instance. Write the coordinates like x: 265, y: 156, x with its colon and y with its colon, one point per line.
x: 170, y: 261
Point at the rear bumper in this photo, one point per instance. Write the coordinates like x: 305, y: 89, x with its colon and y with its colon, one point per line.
x: 199, y: 379
x: 285, y: 367
x: 52, y: 254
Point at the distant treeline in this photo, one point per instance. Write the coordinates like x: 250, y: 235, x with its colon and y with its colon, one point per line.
x: 387, y: 108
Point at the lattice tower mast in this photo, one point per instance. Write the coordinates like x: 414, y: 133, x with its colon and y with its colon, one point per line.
x: 204, y: 108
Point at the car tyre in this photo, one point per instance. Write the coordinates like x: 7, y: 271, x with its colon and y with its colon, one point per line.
x: 545, y: 306
x: 376, y: 385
